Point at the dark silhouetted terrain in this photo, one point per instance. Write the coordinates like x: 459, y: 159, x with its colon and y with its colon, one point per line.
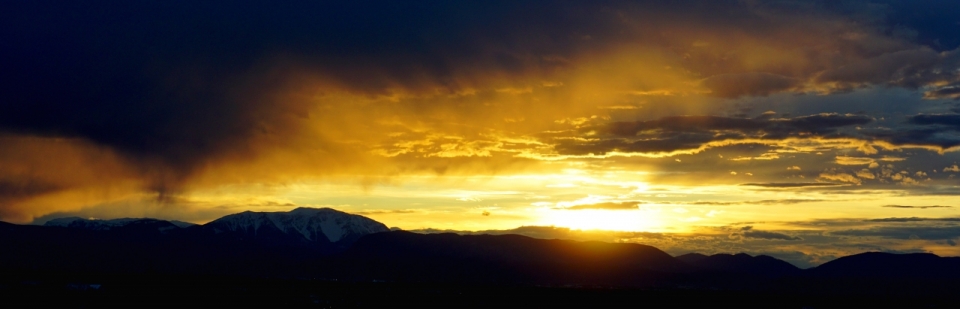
x: 760, y: 265
x: 322, y: 257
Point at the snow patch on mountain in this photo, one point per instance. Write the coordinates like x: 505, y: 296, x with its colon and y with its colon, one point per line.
x: 311, y: 223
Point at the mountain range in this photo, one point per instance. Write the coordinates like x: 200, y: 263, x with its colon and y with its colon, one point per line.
x: 104, y: 225
x: 327, y: 244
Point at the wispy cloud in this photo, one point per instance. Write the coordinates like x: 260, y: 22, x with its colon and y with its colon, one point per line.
x: 916, y: 207
x: 792, y: 184
x: 605, y: 205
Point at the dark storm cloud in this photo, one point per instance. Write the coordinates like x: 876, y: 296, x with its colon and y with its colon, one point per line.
x: 951, y: 121
x: 15, y: 190
x: 175, y: 86
x: 935, y: 28
x: 12, y: 189
x: 166, y: 84
x: 171, y: 81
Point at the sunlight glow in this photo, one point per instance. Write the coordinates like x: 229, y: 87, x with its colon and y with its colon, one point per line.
x: 597, y: 219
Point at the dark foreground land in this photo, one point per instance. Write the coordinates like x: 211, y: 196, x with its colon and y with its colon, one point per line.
x: 151, y: 263
x: 175, y: 292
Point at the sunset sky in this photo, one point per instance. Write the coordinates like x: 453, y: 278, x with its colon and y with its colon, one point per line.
x: 802, y: 129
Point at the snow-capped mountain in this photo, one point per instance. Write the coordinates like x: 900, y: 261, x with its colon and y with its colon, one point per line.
x: 322, y: 230
x: 309, y: 224
x: 106, y: 225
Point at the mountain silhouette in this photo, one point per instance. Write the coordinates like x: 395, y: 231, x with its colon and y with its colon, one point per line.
x: 691, y: 258
x: 233, y: 245
x: 891, y: 266
x: 103, y: 225
x: 324, y: 229
x: 333, y: 245
x: 761, y: 265
x: 401, y: 255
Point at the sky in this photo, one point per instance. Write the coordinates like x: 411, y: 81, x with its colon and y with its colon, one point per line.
x: 805, y: 130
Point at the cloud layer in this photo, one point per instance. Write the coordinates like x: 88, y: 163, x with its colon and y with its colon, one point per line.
x: 123, y: 103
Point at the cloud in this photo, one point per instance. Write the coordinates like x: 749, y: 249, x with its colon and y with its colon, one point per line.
x: 931, y: 233
x: 164, y: 99
x: 769, y: 235
x: 954, y: 168
x: 605, y: 205
x: 866, y: 174
x: 888, y: 68
x: 387, y: 211
x: 552, y: 232
x: 685, y: 133
x: 914, y: 219
x: 916, y: 207
x: 841, y: 177
x: 844, y: 160
x: 674, y: 135
x: 924, y: 137
x: 949, y: 120
x: 765, y: 156
x: 892, y: 159
x: 950, y: 92
x: 12, y: 190
x: 816, y: 124
x: 757, y: 202
x: 792, y: 184
x: 749, y: 232
x: 147, y: 206
x: 937, y: 130
x: 743, y: 84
